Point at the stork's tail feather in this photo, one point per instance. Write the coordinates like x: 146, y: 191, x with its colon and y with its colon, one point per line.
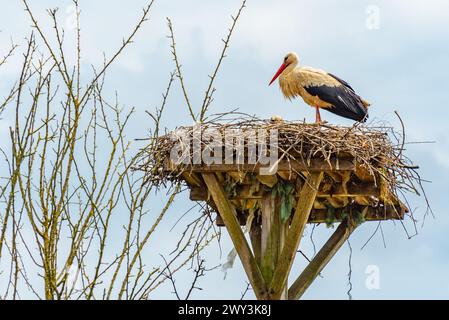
x: 353, y: 101
x: 361, y: 116
x: 350, y: 105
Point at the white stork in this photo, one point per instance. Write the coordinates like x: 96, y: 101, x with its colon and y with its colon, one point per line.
x: 320, y: 89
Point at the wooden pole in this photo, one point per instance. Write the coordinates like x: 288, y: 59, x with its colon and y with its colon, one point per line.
x: 304, y: 205
x: 273, y: 238
x: 228, y: 213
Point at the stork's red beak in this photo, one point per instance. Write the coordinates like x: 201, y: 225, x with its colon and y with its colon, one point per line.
x: 281, y: 68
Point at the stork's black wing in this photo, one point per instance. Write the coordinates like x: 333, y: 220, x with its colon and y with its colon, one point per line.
x: 345, y: 102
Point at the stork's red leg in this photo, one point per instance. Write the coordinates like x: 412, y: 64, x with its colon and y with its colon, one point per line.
x: 317, y: 115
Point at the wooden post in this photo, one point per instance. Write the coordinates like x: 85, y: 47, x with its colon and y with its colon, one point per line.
x: 304, y: 205
x: 273, y: 238
x: 228, y: 213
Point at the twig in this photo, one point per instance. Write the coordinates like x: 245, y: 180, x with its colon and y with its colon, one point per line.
x: 210, y: 90
x: 247, y: 288
x: 178, y: 68
x: 350, y: 271
x: 169, y: 276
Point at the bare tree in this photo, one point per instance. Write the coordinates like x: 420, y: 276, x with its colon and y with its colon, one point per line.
x: 75, y: 218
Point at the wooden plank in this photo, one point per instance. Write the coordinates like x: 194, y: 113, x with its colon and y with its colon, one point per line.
x: 304, y: 205
x: 353, y: 190
x: 314, y: 165
x: 380, y: 213
x: 322, y: 215
x: 227, y: 212
x: 321, y: 259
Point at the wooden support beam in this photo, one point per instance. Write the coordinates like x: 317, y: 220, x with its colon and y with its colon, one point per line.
x: 304, y: 205
x: 228, y: 213
x: 321, y: 259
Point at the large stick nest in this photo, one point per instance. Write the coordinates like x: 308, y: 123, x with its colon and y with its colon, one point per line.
x: 376, y: 152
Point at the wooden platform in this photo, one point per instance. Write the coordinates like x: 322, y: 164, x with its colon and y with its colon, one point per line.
x: 346, y: 188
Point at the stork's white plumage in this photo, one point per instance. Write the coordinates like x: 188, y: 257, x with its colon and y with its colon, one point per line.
x: 320, y: 90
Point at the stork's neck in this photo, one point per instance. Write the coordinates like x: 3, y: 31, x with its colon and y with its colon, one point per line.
x: 289, y: 68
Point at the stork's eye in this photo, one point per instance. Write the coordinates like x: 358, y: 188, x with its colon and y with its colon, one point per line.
x: 285, y: 59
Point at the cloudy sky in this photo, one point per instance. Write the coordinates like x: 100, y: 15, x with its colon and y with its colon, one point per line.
x: 395, y: 53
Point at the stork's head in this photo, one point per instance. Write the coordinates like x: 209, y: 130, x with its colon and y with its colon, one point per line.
x: 290, y: 61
